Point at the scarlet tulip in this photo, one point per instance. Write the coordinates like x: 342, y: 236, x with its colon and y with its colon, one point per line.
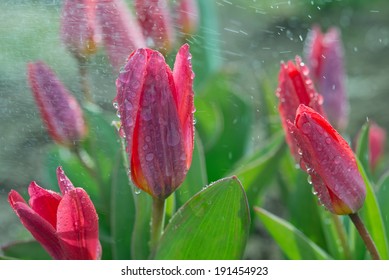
x: 65, y: 225
x: 295, y: 88
x: 329, y: 161
x: 188, y: 16
x: 156, y: 109
x: 324, y: 56
x: 59, y: 109
x: 377, y: 139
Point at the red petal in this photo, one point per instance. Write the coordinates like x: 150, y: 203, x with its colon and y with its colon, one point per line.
x: 44, y: 202
x: 65, y: 185
x: 77, y: 226
x: 41, y: 229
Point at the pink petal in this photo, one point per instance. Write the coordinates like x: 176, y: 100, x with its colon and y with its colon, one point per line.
x: 65, y: 185
x: 77, y: 226
x: 44, y: 202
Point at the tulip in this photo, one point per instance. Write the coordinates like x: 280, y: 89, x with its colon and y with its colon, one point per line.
x: 329, y: 161
x: 377, y: 140
x: 156, y: 109
x: 60, y: 110
x: 65, y: 225
x: 188, y: 16
x: 121, y: 33
x: 156, y: 22
x: 324, y: 56
x: 78, y: 27
x: 295, y: 88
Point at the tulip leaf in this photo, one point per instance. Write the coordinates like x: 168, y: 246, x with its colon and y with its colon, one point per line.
x: 293, y: 243
x: 213, y: 224
x: 362, y: 148
x: 383, y: 198
x: 26, y: 250
x: 196, y: 176
x: 371, y: 215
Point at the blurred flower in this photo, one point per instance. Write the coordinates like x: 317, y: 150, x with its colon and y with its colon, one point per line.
x: 295, y: 88
x: 324, y: 56
x: 78, y: 27
x: 66, y: 226
x: 156, y: 108
x: 187, y: 16
x: 377, y: 139
x: 121, y: 33
x: 156, y: 22
x: 60, y: 110
x: 329, y: 161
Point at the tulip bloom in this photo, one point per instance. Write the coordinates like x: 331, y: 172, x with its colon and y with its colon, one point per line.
x: 121, y: 33
x: 188, y: 16
x: 60, y: 110
x: 324, y: 56
x: 295, y: 88
x: 377, y: 139
x: 78, y: 27
x: 330, y: 162
x: 65, y: 225
x: 156, y: 22
x: 156, y: 109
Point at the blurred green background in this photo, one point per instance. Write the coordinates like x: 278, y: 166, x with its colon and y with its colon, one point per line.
x: 253, y: 37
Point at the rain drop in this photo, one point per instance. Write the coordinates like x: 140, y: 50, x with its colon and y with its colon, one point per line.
x: 309, y: 179
x: 150, y: 157
x: 306, y: 128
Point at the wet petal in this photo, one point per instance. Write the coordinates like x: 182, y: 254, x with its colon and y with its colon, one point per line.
x: 65, y: 185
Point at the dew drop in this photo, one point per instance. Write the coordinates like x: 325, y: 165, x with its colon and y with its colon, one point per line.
x: 309, y: 179
x: 328, y: 140
x: 306, y: 128
x: 137, y: 191
x: 147, y: 138
x: 173, y: 137
x: 337, y: 160
x: 314, y: 191
x: 150, y: 157
x: 115, y: 105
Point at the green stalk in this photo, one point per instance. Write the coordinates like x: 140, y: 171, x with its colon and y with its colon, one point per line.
x: 157, y: 224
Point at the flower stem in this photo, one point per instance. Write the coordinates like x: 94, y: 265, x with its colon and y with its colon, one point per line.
x: 85, y: 87
x: 342, y: 235
x: 157, y: 223
x: 365, y: 236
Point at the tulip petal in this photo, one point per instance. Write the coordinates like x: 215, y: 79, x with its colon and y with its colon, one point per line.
x: 44, y: 202
x: 183, y: 79
x: 65, y: 185
x: 41, y: 229
x: 77, y: 226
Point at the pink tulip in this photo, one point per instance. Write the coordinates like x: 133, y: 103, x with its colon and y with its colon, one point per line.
x: 187, y: 16
x: 156, y: 109
x: 324, y: 56
x: 65, y: 225
x: 329, y: 161
x: 59, y: 109
x: 377, y: 140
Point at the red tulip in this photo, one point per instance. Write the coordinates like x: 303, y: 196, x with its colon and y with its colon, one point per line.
x: 78, y: 27
x: 65, y: 225
x: 121, y: 33
x: 156, y: 21
x: 329, y: 161
x: 377, y: 139
x: 295, y: 88
x: 188, y: 16
x: 324, y: 56
x: 60, y: 110
x: 156, y: 109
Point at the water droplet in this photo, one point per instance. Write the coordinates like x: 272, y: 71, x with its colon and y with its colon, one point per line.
x: 314, y: 191
x: 328, y: 140
x: 137, y: 191
x: 150, y: 157
x: 173, y: 137
x: 300, y: 152
x: 309, y: 179
x: 337, y: 160
x: 306, y: 128
x: 147, y: 138
x: 115, y: 105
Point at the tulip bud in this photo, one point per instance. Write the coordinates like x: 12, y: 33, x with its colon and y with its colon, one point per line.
x: 121, y: 33
x: 295, y: 88
x: 65, y: 225
x: 324, y: 56
x: 156, y: 22
x: 78, y: 27
x: 377, y: 140
x: 329, y: 161
x: 156, y: 112
x: 188, y: 16
x: 60, y: 110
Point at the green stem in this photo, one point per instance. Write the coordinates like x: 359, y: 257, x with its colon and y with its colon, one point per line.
x: 157, y: 223
x: 342, y: 236
x: 85, y: 87
x: 365, y: 236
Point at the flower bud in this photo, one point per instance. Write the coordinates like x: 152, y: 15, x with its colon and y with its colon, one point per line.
x: 65, y: 225
x: 329, y: 161
x: 377, y: 140
x: 156, y: 109
x: 59, y: 109
x: 295, y: 88
x: 324, y: 56
x: 187, y: 17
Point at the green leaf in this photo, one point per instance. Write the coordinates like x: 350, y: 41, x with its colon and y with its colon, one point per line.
x: 383, y: 198
x: 196, y: 176
x: 214, y: 224
x: 26, y: 250
x: 292, y: 242
x: 372, y: 217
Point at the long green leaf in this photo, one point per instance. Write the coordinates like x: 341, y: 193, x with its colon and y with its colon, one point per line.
x: 383, y: 199
x: 292, y: 242
x: 26, y: 250
x: 214, y: 224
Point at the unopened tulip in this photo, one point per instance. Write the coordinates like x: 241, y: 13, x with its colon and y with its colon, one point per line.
x: 66, y: 224
x: 329, y: 161
x: 187, y: 14
x: 78, y: 27
x: 156, y: 109
x: 121, y: 32
x: 156, y: 22
x: 59, y: 109
x: 377, y: 140
x: 324, y: 57
x: 295, y: 88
